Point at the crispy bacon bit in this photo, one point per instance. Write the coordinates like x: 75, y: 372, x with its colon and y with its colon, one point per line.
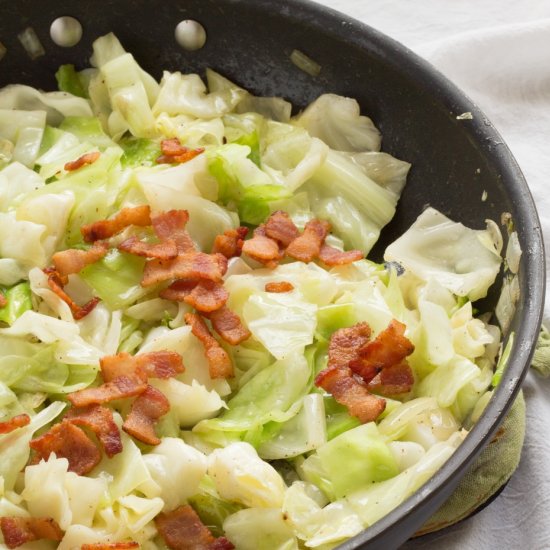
x: 100, y: 420
x: 205, y: 296
x: 262, y: 248
x: 182, y: 529
x: 103, y: 229
x: 280, y: 227
x: 165, y: 250
x: 68, y: 441
x: 219, y: 362
x: 345, y: 343
x: 332, y: 256
x: 170, y: 225
x: 230, y: 244
x: 280, y: 286
x: 71, y: 261
x: 145, y: 411
x: 19, y: 530
x: 13, y: 423
x: 56, y: 285
x: 228, y: 325
x: 351, y: 392
x: 307, y: 246
x: 3, y: 300
x: 155, y: 364
x: 118, y: 388
x: 110, y: 546
x: 190, y: 265
x: 174, y: 152
x: 393, y: 380
x: 88, y: 158
x: 389, y: 348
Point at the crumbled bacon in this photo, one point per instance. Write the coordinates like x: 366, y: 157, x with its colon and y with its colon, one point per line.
x: 88, y: 158
x: 262, y: 248
x: 228, y: 325
x: 190, y: 265
x: 146, y: 410
x: 393, y: 380
x: 20, y: 530
x: 182, y: 529
x: 170, y: 225
x: 118, y: 388
x: 351, y: 392
x: 279, y: 286
x: 3, y: 300
x: 165, y: 250
x: 280, y: 227
x: 128, y: 545
x: 332, y: 256
x: 174, y: 152
x: 100, y: 420
x: 345, y: 343
x: 13, y: 423
x: 219, y: 362
x: 307, y: 246
x: 103, y: 229
x: 155, y: 364
x: 72, y: 260
x: 68, y: 441
x: 389, y: 348
x: 56, y: 285
x: 204, y: 295
x: 230, y: 244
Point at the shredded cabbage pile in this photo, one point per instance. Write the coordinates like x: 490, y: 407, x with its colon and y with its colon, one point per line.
x: 265, y: 458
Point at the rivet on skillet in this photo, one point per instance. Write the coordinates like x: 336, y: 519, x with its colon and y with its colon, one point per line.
x: 190, y: 35
x: 66, y: 31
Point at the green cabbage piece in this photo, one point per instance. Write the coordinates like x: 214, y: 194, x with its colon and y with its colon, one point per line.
x: 70, y: 81
x: 19, y: 301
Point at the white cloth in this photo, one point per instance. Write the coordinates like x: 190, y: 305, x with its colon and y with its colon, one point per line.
x: 498, y: 52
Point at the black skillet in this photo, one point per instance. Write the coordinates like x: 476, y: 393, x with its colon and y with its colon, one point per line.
x: 454, y: 161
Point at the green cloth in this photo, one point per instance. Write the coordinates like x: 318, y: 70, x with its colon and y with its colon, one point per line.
x: 497, y: 462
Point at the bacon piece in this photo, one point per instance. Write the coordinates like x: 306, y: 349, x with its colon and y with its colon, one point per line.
x: 182, y: 529
x: 345, y: 343
x: 350, y: 392
x: 279, y: 286
x: 219, y: 362
x: 145, y: 411
x: 87, y: 158
x: 262, y: 248
x: 103, y: 229
x: 228, y: 325
x: 165, y: 250
x: 13, y: 423
x: 190, y: 265
x: 118, y: 388
x: 332, y: 256
x: 204, y: 295
x: 68, y: 441
x: 307, y: 246
x: 174, y: 152
x: 155, y: 364
x: 170, y: 225
x: 3, y: 300
x: 19, y: 530
x: 100, y: 420
x: 128, y: 545
x: 71, y: 261
x: 280, y: 227
x: 56, y: 285
x: 389, y: 348
x: 393, y: 380
x: 230, y: 244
